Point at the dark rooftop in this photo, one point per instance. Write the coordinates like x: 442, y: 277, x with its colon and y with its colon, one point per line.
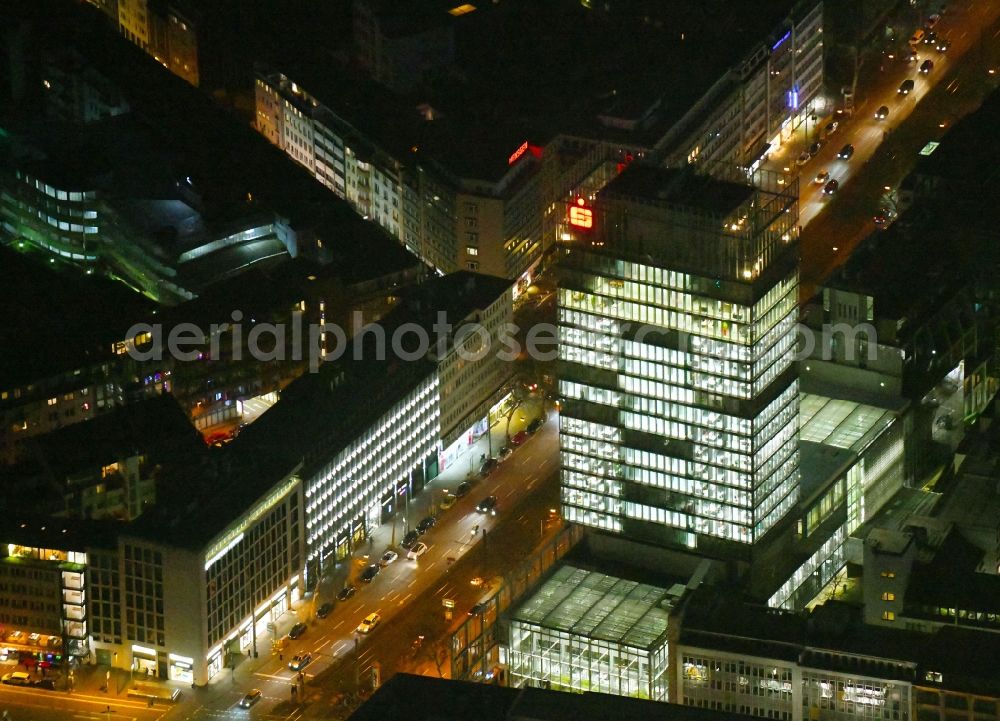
x: 679, y: 186
x: 156, y: 427
x: 623, y: 71
x: 423, y: 698
x: 969, y: 151
x: 947, y: 239
x: 57, y: 319
x: 63, y: 534
x: 951, y: 580
x: 558, y: 65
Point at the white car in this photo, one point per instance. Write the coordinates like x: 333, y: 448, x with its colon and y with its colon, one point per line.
x: 387, y: 558
x: 370, y: 622
x: 417, y: 551
x: 822, y: 177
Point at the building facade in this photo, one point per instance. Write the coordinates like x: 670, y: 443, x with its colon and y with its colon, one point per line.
x: 759, y: 103
x: 676, y: 348
x: 166, y: 31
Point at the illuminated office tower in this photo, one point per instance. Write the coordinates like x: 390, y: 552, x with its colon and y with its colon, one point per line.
x: 677, y: 321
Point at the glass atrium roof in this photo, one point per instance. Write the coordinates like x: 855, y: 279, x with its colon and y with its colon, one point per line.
x: 600, y: 607
x: 842, y: 424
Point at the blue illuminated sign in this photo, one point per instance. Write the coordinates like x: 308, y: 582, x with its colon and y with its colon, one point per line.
x: 781, y: 40
x: 793, y: 97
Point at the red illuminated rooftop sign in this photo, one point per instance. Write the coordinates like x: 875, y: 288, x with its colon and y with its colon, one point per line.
x: 521, y: 150
x: 581, y: 215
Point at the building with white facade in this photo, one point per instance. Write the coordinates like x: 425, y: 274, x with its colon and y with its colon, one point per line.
x: 730, y: 655
x: 677, y: 324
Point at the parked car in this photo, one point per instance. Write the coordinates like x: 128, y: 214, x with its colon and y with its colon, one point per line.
x: 417, y: 551
x: 831, y: 187
x: 49, y: 684
x: 803, y: 158
x: 519, y: 438
x: 368, y: 575
x: 906, y: 87
x: 821, y: 177
x: 410, y: 538
x: 297, y: 630
x: 300, y: 661
x: 488, y: 465
x: 370, y: 621
x: 448, y: 501
x: 926, y: 66
x: 387, y: 558
x: 324, y: 610
x: 463, y: 489
x: 831, y: 127
x: 536, y: 425
x: 426, y: 524
x: 16, y: 678
x: 932, y: 21
x: 815, y: 148
x: 846, y: 152
x: 882, y: 113
x: 251, y: 698
x: 504, y: 453
x: 488, y: 505
x: 346, y: 592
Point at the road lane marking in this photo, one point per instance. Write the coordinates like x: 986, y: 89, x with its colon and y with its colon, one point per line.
x: 410, y: 584
x: 406, y: 598
x: 339, y: 624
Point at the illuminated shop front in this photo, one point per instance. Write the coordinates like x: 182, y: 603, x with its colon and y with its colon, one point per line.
x: 144, y: 661
x: 180, y: 668
x: 496, y: 413
x: 586, y: 631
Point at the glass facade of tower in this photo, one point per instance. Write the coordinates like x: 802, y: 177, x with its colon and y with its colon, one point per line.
x: 680, y: 394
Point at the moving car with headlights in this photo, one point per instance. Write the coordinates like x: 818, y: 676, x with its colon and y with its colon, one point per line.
x: 251, y: 698
x: 846, y: 152
x: 370, y: 621
x: 906, y: 87
x: 882, y: 113
x: 926, y: 66
x: 300, y: 661
x: 488, y: 505
x: 822, y: 177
